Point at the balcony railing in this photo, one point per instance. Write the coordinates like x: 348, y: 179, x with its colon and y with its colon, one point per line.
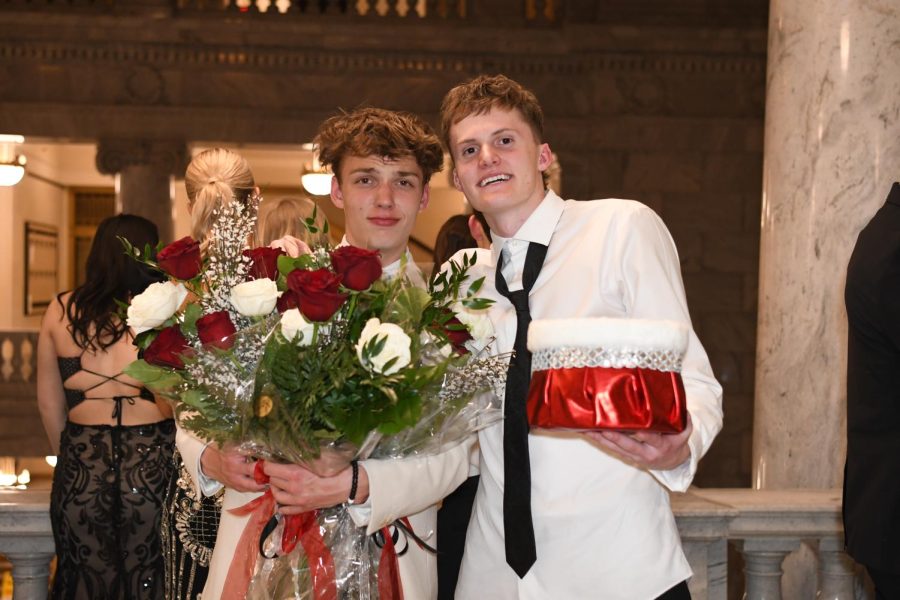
x: 545, y: 12
x: 413, y: 9
x: 767, y: 525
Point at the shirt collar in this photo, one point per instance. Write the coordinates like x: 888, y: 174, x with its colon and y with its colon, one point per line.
x: 390, y: 271
x: 538, y: 227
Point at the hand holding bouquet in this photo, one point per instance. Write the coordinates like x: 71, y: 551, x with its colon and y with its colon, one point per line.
x: 315, y: 360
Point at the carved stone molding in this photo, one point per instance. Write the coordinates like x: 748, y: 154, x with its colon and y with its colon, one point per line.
x: 144, y: 85
x: 147, y: 81
x: 113, y: 155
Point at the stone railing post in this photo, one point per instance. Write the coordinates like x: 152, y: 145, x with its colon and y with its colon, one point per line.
x: 31, y: 574
x: 836, y: 571
x: 26, y: 540
x: 763, y: 558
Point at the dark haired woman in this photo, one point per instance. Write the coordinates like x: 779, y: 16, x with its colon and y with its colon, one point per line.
x: 114, y: 444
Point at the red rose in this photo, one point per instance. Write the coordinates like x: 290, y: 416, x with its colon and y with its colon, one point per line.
x: 359, y: 268
x: 264, y: 262
x: 286, y: 301
x: 458, y: 335
x: 166, y: 349
x: 317, y: 292
x: 181, y: 259
x: 216, y: 329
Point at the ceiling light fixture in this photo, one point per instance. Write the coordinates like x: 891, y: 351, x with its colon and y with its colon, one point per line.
x: 315, y: 178
x: 12, y: 165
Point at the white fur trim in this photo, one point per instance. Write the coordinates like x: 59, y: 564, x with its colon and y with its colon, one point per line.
x: 608, y: 333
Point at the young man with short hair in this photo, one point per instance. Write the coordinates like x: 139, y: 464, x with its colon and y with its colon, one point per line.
x: 382, y: 162
x: 592, y: 515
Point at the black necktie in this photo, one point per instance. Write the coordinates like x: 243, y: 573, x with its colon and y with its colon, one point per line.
x: 518, y: 529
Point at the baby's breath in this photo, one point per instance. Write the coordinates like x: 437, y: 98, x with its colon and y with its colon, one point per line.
x: 233, y: 225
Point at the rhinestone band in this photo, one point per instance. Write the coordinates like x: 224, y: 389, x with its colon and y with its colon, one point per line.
x: 570, y: 357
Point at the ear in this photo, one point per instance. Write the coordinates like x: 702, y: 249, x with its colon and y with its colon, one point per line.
x: 455, y: 180
x: 545, y: 157
x: 337, y: 197
x: 477, y: 231
x: 426, y: 196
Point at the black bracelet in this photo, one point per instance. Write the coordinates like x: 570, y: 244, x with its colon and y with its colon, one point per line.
x: 353, y: 482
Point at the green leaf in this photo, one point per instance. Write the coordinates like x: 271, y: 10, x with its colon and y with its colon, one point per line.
x: 285, y: 264
x: 196, y: 399
x: 154, y: 377
x: 145, y: 338
x: 477, y: 303
x: 475, y: 287
x: 192, y: 312
x: 407, y: 307
x: 374, y: 347
x: 285, y: 373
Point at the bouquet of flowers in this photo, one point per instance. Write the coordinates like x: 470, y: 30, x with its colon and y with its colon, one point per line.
x: 317, y: 360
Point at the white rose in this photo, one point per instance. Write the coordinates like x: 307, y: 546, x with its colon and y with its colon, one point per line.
x: 396, y: 345
x: 255, y: 298
x: 476, y: 321
x: 155, y: 305
x: 293, y: 323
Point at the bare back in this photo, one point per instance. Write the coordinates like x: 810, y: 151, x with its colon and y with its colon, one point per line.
x: 93, y: 377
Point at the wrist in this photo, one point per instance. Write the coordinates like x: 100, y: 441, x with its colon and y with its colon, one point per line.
x: 208, y: 464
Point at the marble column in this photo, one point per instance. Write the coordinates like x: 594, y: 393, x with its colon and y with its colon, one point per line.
x: 832, y: 149
x: 144, y: 171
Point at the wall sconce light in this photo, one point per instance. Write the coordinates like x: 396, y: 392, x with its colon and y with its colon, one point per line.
x: 12, y: 165
x: 315, y: 178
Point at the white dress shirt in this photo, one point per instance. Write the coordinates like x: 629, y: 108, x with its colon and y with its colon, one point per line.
x: 603, y: 528
x: 400, y: 487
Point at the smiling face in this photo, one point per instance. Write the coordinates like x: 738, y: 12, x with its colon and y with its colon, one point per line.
x: 498, y: 167
x: 381, y: 198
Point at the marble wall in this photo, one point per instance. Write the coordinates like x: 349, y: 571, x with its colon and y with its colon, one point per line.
x: 832, y: 151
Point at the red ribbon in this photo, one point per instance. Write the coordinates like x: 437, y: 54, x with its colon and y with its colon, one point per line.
x: 389, y: 587
x: 321, y: 563
x: 607, y: 398
x: 303, y: 528
x: 242, y: 564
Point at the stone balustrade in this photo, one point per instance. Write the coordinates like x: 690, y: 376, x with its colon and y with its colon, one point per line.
x: 26, y: 540
x: 767, y: 525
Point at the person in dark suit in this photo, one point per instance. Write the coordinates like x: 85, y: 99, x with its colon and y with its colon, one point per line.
x: 872, y: 471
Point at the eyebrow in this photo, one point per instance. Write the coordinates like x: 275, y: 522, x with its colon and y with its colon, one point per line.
x: 373, y: 170
x: 492, y: 134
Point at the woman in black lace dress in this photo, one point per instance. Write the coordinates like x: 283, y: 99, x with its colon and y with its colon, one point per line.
x: 114, y: 444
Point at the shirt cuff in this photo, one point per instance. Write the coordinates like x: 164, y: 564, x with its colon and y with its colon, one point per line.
x: 361, y: 513
x: 678, y: 479
x: 208, y: 486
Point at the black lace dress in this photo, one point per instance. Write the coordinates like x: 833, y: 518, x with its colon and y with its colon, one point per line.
x: 190, y: 523
x: 105, y: 505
